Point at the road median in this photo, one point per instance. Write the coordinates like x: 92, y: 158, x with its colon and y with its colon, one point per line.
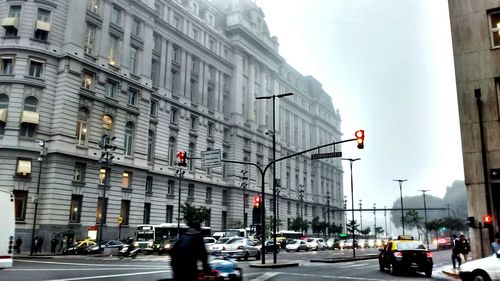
x: 346, y: 259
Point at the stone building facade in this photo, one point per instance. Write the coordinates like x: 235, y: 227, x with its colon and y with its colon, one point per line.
x: 475, y: 27
x: 160, y: 76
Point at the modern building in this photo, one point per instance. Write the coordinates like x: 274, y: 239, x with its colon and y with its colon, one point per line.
x: 475, y: 27
x: 159, y: 76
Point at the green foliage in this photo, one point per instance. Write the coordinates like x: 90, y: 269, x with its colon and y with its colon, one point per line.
x: 318, y: 226
x: 334, y: 229
x: 352, y: 225
x: 451, y: 224
x: 365, y: 231
x: 378, y: 230
x: 192, y: 214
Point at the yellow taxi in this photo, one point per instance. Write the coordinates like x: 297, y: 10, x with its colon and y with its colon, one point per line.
x: 405, y: 254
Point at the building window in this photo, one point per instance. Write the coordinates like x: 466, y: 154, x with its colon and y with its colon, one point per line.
x: 190, y: 194
x: 127, y: 180
x: 101, y: 210
x: 174, y: 81
x: 225, y: 199
x: 178, y: 22
x: 15, y: 11
x: 111, y: 89
x: 151, y: 146
x: 125, y: 211
x: 211, y: 44
x: 211, y: 129
x: 153, y: 108
x: 174, y: 115
x: 147, y: 213
x: 93, y: 6
x: 208, y: 220
x: 4, y: 105
x: 159, y: 9
x: 29, y: 119
x: 133, y: 97
x: 170, y: 187
x: 495, y: 28
x: 176, y: 54
x: 169, y: 214
x: 171, y: 151
x: 75, y: 211
x: 88, y: 46
x: 195, y: 64
x: 156, y: 42
x: 113, y: 51
x: 79, y: 172
x: 35, y: 68
x: 42, y: 27
x: 196, y: 35
x: 149, y: 185
x: 7, y: 65
x: 128, y: 144
x: 211, y: 20
x: 191, y: 153
x: 133, y: 59
x: 14, y: 16
x: 107, y: 122
x: 136, y: 27
x: 194, y: 122
x: 20, y: 202
x: 208, y: 195
x: 155, y: 72
x: 224, y: 219
x: 88, y: 80
x: 116, y: 15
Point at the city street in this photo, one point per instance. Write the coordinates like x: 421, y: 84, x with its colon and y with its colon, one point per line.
x: 157, y: 267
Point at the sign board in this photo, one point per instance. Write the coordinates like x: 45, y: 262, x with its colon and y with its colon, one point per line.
x: 211, y: 158
x: 120, y: 219
x: 326, y: 155
x: 495, y: 174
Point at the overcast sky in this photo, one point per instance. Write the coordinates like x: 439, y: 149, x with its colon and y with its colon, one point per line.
x: 388, y: 65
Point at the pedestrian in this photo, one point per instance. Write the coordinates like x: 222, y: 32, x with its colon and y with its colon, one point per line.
x: 36, y: 244
x: 19, y: 242
x: 40, y: 242
x: 186, y: 252
x: 465, y: 248
x: 53, y: 244
x: 455, y: 251
x: 63, y: 244
x: 495, y: 246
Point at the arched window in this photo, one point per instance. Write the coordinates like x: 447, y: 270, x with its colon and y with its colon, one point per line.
x: 29, y: 119
x: 107, y: 122
x: 82, y: 126
x: 129, y: 139
x: 4, y: 105
x: 30, y: 104
x: 171, y: 151
x: 151, y: 145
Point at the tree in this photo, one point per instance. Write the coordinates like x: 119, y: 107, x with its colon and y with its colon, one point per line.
x: 334, y: 229
x: 317, y: 226
x: 413, y: 220
x: 192, y: 214
x: 378, y: 230
x: 352, y: 225
x: 295, y: 224
x: 365, y: 231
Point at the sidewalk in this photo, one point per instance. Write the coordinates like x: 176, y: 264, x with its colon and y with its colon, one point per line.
x: 48, y: 255
x: 453, y: 272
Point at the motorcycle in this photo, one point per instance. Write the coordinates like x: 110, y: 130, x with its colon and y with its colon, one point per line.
x: 128, y: 251
x: 223, y: 268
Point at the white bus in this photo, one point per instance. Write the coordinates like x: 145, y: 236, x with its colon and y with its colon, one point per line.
x: 149, y: 237
x: 7, y: 217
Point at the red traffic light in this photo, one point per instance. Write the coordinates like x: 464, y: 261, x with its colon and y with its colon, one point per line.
x: 360, y: 138
x: 181, y: 158
x: 256, y: 201
x: 487, y: 219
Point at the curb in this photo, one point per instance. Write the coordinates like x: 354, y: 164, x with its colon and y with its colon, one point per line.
x: 337, y: 260
x: 274, y: 265
x: 449, y: 273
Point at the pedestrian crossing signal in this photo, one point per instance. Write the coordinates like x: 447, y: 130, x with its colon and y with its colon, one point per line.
x: 360, y: 138
x: 487, y: 220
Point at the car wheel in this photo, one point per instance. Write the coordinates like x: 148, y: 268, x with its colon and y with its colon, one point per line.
x: 246, y: 256
x: 480, y: 276
x: 287, y: 250
x: 257, y: 257
x: 393, y: 270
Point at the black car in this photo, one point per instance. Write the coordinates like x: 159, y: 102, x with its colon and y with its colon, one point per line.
x: 405, y: 254
x: 270, y: 248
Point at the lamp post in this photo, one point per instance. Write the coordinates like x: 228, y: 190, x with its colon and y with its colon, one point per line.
x: 328, y: 211
x: 301, y: 196
x: 345, y: 214
x: 278, y: 192
x: 425, y: 217
x: 360, y: 214
x: 243, y: 185
x: 273, y: 97
x: 352, y: 203
x: 179, y: 173
x: 402, y: 208
x: 385, y: 219
x: 43, y: 153
x: 375, y: 220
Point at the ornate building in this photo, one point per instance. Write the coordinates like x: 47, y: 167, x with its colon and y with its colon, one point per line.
x: 160, y: 77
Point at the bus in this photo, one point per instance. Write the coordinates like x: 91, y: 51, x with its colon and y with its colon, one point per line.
x: 150, y: 237
x: 288, y: 234
x: 7, y: 217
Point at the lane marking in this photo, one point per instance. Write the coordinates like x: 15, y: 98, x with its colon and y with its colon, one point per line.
x: 84, y: 264
x: 266, y: 276
x: 334, y: 277
x: 79, y: 269
x: 111, y: 276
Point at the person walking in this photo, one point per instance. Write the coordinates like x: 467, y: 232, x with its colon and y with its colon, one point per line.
x: 19, y: 242
x: 53, y: 245
x: 465, y: 248
x: 36, y: 244
x: 186, y: 252
x: 455, y: 251
x: 495, y: 245
x: 40, y: 244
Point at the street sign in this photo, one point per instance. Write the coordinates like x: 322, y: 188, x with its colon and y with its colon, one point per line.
x: 326, y: 155
x: 495, y: 174
x: 211, y: 158
x: 120, y: 220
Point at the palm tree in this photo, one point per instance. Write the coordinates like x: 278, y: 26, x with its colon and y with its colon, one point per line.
x: 412, y: 220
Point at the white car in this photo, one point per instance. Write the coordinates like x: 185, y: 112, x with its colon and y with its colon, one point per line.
x: 482, y: 269
x: 219, y: 246
x: 296, y: 245
x: 209, y: 242
x: 316, y: 243
x: 241, y: 248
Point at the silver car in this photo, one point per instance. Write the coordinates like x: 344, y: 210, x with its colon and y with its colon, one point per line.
x: 241, y: 248
x: 216, y: 248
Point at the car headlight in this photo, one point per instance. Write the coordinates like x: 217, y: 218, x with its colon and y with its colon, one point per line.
x: 150, y: 244
x: 167, y: 246
x: 136, y: 244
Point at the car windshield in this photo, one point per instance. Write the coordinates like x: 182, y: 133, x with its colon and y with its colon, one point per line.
x: 223, y: 240
x: 410, y: 245
x: 293, y: 242
x: 235, y: 241
x: 310, y: 240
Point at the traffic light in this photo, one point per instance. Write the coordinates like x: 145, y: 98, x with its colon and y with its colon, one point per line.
x: 181, y: 158
x: 487, y: 220
x: 360, y: 138
x: 471, y: 222
x: 257, y: 201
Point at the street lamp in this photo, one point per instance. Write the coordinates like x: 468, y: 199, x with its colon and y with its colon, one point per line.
x: 425, y: 216
x: 360, y: 214
x: 278, y: 196
x: 328, y: 211
x: 301, y: 196
x: 345, y: 214
x: 43, y: 153
x: 352, y: 204
x: 273, y: 97
x: 375, y: 220
x: 401, y: 196
x: 385, y: 219
x: 179, y: 173
x: 243, y: 185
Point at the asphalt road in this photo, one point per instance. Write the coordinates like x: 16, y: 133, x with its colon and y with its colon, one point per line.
x: 73, y: 268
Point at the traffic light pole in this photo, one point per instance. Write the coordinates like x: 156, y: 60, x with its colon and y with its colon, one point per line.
x: 179, y: 172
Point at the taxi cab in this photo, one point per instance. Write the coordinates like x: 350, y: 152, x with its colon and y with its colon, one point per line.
x: 405, y: 254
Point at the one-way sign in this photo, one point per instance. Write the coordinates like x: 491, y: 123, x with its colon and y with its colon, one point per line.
x: 326, y: 155
x: 495, y: 174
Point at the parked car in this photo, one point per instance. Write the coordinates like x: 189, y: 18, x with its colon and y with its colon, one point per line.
x: 79, y: 248
x: 107, y: 244
x: 219, y: 246
x: 481, y: 269
x: 296, y: 245
x: 348, y: 244
x: 241, y: 248
x: 362, y: 244
x: 316, y: 244
x: 333, y: 243
x: 269, y: 247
